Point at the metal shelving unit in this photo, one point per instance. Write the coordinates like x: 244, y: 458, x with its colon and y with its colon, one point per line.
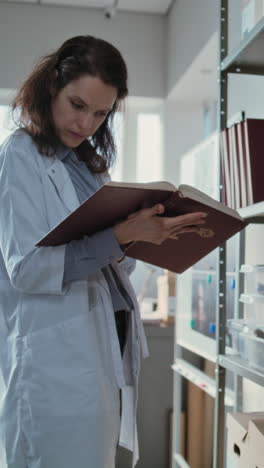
x: 253, y: 213
x: 199, y: 378
x: 247, y: 58
x: 242, y: 368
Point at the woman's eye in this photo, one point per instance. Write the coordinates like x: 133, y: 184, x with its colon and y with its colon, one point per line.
x: 76, y: 106
x: 102, y: 114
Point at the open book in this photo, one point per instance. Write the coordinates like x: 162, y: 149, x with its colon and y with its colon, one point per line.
x: 114, y: 201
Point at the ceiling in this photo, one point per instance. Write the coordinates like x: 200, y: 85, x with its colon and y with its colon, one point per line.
x: 142, y: 6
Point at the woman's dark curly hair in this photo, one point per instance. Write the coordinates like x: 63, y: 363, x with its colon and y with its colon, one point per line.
x: 78, y: 56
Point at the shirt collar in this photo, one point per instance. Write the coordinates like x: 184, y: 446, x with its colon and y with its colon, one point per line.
x: 63, y: 151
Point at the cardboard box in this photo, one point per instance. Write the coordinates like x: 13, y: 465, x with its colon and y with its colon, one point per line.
x: 256, y: 443
x: 209, y: 369
x: 245, y: 440
x: 252, y: 12
x: 195, y: 422
x: 166, y: 285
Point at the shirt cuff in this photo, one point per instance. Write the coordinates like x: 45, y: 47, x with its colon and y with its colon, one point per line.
x: 108, y: 245
x: 90, y: 254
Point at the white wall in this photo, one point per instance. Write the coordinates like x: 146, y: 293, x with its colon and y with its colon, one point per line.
x: 234, y: 23
x: 28, y: 31
x: 190, y: 25
x: 192, y: 46
x: 183, y: 129
x: 246, y: 93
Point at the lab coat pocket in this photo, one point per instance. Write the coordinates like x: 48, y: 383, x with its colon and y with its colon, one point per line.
x: 63, y: 382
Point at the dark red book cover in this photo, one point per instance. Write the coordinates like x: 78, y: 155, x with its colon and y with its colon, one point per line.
x: 236, y: 163
x: 242, y: 166
x: 226, y: 157
x: 253, y: 134
x: 112, y: 203
x: 231, y: 166
x: 225, y: 196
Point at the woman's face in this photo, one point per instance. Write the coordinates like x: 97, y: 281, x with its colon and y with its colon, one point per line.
x: 80, y: 108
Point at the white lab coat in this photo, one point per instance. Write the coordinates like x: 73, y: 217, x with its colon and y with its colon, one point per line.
x: 59, y: 352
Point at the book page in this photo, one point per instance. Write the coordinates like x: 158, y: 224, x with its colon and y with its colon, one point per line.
x: 159, y: 185
x: 201, y: 197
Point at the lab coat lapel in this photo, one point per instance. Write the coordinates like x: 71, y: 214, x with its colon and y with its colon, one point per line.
x: 60, y: 178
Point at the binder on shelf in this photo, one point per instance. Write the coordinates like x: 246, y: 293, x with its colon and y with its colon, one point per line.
x: 242, y: 166
x: 253, y: 134
x: 231, y: 155
x: 225, y: 168
x: 242, y: 146
x: 236, y: 173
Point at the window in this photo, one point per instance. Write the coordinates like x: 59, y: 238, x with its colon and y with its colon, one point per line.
x: 118, y: 132
x: 5, y: 127
x: 149, y: 148
x: 138, y: 137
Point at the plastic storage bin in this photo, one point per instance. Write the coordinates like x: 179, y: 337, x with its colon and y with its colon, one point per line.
x: 235, y: 328
x: 254, y: 279
x: 252, y: 350
x: 253, y: 309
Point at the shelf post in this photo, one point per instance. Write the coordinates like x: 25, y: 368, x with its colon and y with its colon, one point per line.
x: 177, y: 404
x: 219, y: 413
x: 238, y: 313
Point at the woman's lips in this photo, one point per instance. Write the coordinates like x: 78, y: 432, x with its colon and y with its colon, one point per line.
x: 76, y: 135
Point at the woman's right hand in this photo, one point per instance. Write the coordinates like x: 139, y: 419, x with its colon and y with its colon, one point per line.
x: 145, y: 225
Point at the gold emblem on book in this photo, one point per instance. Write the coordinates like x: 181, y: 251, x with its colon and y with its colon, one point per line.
x: 205, y: 232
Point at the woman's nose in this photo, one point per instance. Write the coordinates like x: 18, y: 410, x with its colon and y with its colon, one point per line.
x: 86, y: 123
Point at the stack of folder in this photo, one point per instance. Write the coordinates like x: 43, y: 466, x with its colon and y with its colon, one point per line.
x: 242, y: 148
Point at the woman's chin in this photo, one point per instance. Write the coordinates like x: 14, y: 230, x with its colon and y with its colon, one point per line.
x: 71, y: 140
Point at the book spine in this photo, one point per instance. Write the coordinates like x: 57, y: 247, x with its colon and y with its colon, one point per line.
x: 242, y: 166
x: 237, y: 183
x: 228, y: 157
x: 255, y: 131
x: 231, y: 166
x: 225, y: 167
x: 248, y: 164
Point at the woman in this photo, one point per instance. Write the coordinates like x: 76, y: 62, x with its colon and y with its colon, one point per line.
x: 71, y: 333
